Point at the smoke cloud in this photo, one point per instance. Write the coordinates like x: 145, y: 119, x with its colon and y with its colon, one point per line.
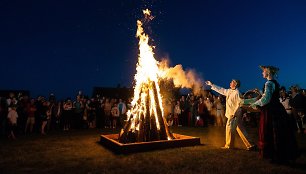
x: 181, y: 78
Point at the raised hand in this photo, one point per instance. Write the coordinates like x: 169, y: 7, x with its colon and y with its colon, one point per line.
x: 256, y: 91
x: 208, y: 83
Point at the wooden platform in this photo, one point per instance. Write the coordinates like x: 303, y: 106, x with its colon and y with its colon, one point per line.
x: 110, y: 141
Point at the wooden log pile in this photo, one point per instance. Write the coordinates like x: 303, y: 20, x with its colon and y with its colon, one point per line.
x: 147, y: 123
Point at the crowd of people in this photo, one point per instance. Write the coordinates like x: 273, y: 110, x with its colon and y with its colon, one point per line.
x: 280, y: 115
x: 24, y: 114
x: 20, y: 114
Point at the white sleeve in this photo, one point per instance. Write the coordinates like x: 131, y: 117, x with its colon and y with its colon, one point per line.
x: 219, y: 89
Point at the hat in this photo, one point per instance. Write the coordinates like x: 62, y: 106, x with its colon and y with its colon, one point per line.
x: 273, y: 70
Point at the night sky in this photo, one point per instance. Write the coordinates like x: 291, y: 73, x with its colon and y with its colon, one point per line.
x: 63, y: 46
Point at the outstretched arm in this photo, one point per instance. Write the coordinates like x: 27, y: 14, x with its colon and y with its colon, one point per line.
x: 216, y: 88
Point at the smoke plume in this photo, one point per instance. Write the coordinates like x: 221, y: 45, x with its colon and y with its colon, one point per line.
x: 181, y: 78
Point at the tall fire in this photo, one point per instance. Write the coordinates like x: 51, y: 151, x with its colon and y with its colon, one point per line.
x: 146, y: 120
x: 146, y: 126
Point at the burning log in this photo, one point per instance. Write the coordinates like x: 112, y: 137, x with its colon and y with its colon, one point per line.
x: 161, y: 120
x: 124, y: 133
x: 141, y: 133
x: 149, y: 123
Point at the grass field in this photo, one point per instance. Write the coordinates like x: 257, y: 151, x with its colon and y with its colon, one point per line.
x: 79, y: 151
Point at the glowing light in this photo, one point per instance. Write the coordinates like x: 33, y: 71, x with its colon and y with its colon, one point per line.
x: 147, y: 100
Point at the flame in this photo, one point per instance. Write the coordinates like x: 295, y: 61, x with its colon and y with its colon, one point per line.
x: 147, y: 99
x: 146, y: 120
x: 146, y: 12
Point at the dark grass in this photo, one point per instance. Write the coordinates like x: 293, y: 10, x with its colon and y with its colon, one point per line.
x: 79, y: 151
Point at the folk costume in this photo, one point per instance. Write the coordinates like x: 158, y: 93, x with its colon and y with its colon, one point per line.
x: 277, y: 140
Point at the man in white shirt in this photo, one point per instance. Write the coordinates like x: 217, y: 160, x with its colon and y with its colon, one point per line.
x: 233, y: 113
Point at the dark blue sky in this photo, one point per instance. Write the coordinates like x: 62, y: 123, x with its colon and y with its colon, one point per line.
x: 65, y: 46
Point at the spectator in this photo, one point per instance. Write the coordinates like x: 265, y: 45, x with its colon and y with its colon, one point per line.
x: 297, y: 103
x: 184, y: 105
x: 45, y: 116
x: 203, y: 112
x: 67, y: 114
x: 12, y: 119
x: 122, y: 112
x: 177, y: 114
x: 99, y: 121
x: 58, y: 115
x: 219, y: 111
x: 284, y: 99
x: 193, y: 111
x: 209, y: 106
x: 31, y: 109
x: 107, y: 113
x: 78, y: 106
x: 115, y: 115
x: 91, y: 114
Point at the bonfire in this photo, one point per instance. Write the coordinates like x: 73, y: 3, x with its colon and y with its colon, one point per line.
x: 146, y: 120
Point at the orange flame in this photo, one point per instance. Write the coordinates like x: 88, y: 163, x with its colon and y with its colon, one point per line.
x: 146, y: 78
x: 147, y: 113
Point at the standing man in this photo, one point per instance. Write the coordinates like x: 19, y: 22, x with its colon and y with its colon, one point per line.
x: 233, y: 113
x: 122, y: 112
x: 297, y: 102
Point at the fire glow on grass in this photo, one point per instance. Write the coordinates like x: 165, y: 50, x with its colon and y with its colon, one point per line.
x: 145, y: 120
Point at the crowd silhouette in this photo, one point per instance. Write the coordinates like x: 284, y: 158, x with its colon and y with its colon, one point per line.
x: 22, y: 115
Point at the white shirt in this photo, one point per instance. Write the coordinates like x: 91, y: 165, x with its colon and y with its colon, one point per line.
x: 232, y: 99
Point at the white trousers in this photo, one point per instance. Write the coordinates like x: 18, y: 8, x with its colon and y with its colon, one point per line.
x: 233, y: 124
